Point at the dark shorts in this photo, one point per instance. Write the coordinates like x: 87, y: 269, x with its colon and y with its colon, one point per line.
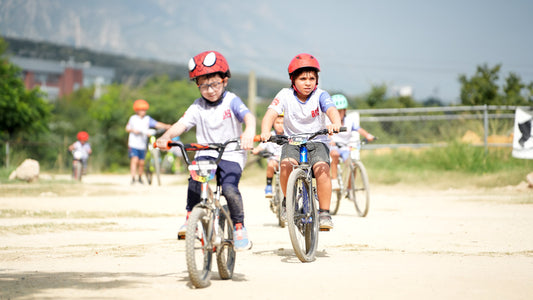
x: 136, y: 152
x: 317, y: 152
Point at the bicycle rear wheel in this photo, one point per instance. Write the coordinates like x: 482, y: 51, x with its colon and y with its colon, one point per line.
x: 226, y: 251
x: 360, y: 190
x: 198, y: 247
x: 77, y: 169
x: 302, y: 216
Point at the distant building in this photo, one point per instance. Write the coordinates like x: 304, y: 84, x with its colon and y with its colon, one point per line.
x: 60, y: 78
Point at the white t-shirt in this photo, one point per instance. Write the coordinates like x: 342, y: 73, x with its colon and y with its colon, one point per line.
x: 217, y: 123
x: 351, y: 122
x: 303, y: 117
x: 138, y: 141
x: 84, y: 149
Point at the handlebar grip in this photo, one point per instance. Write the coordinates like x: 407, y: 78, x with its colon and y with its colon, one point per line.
x: 257, y: 138
x: 342, y: 129
x: 168, y: 145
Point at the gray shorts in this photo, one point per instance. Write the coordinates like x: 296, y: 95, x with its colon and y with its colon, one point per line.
x: 317, y: 152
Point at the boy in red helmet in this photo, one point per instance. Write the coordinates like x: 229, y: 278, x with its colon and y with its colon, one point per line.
x: 82, y: 147
x: 305, y: 107
x: 138, y: 128
x: 218, y: 116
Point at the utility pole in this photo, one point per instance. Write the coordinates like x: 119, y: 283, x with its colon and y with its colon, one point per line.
x: 252, y: 92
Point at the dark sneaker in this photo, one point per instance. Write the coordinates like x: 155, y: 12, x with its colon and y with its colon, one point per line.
x: 240, y: 238
x: 325, y: 221
x: 141, y: 180
x: 182, y: 231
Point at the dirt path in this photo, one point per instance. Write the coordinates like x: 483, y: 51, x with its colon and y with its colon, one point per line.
x: 117, y: 241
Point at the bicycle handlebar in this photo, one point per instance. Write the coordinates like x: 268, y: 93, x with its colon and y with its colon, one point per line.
x: 219, y: 147
x: 283, y: 139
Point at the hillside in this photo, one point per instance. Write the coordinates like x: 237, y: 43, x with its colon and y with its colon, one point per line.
x: 130, y: 70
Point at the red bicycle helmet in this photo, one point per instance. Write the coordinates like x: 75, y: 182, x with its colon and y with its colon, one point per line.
x: 208, y: 62
x: 140, y: 105
x: 303, y: 60
x: 83, y: 136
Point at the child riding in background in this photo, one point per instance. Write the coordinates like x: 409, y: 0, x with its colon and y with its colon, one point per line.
x: 82, y: 147
x: 273, y: 160
x: 138, y: 128
x: 218, y: 116
x: 353, y: 130
x: 305, y: 107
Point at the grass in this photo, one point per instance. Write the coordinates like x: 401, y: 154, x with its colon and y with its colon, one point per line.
x: 457, y: 165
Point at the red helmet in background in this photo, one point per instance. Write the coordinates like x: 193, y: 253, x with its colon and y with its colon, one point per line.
x: 303, y: 60
x: 83, y: 136
x: 140, y: 105
x: 208, y: 62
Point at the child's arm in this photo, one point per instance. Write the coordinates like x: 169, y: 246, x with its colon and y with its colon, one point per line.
x: 247, y: 138
x: 365, y: 133
x: 175, y: 130
x: 268, y: 121
x: 161, y: 125
x: 335, y: 118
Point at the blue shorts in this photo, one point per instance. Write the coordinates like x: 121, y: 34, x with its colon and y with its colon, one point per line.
x: 132, y: 152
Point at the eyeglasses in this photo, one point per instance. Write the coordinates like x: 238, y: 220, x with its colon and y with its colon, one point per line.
x: 214, y: 85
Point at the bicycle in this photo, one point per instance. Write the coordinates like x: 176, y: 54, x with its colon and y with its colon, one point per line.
x: 277, y: 193
x: 77, y: 165
x: 152, y: 162
x: 353, y: 181
x: 209, y: 228
x: 301, y: 198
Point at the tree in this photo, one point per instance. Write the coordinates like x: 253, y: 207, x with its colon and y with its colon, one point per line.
x: 24, y: 113
x: 482, y: 88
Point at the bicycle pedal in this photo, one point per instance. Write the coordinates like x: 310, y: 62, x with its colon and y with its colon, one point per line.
x: 325, y: 229
x: 181, y: 236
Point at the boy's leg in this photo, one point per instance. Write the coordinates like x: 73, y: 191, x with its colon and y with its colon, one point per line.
x: 319, y: 158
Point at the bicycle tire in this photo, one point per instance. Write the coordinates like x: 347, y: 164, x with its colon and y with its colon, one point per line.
x: 278, y: 198
x: 360, y: 189
x: 77, y: 169
x: 226, y: 252
x: 302, y: 225
x: 156, y: 155
x: 198, y: 247
x: 147, y: 164
x: 336, y: 201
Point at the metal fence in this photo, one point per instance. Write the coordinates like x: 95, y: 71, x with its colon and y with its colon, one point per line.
x: 488, y: 126
x: 437, y: 126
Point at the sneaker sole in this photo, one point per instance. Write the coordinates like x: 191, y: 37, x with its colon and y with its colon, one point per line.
x: 269, y: 196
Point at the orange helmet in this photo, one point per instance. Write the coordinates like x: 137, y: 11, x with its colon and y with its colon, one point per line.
x: 83, y: 136
x: 208, y: 62
x: 303, y: 60
x: 140, y: 105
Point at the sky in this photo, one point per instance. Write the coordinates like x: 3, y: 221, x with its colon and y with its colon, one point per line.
x: 422, y: 44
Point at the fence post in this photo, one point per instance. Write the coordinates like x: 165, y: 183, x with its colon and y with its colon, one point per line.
x: 486, y: 126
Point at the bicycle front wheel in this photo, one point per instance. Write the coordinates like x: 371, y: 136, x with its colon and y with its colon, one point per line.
x: 198, y: 247
x: 336, y: 199
x: 226, y: 251
x: 302, y: 216
x: 359, y: 190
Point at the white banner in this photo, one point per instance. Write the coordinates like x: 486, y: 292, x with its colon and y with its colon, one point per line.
x: 523, y: 138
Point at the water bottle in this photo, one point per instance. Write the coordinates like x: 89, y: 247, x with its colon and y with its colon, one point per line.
x: 303, y: 155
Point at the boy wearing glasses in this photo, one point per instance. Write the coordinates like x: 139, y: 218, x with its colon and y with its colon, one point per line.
x: 218, y: 116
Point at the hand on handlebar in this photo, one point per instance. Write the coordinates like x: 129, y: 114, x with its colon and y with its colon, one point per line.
x: 162, y: 143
